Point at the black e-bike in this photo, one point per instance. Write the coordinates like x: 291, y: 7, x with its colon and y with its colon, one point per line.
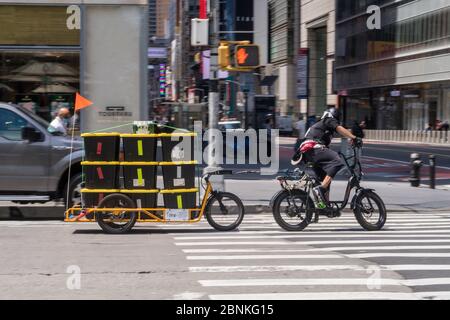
x: 294, y: 206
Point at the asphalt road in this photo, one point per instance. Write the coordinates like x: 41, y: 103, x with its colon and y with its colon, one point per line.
x: 334, y: 259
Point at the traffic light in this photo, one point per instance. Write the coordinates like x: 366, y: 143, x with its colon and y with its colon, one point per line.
x: 246, y: 56
x: 224, y: 56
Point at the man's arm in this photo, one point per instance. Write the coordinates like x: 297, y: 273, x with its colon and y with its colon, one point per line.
x: 345, y: 133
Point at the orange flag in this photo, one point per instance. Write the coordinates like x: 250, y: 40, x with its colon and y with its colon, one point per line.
x: 81, y: 102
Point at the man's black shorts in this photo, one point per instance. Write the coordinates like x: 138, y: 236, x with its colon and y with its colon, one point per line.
x: 327, y: 162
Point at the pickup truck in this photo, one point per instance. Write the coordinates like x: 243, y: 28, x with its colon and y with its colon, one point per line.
x: 34, y: 163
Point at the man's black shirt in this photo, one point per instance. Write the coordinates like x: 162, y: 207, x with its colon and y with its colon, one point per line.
x: 323, y: 131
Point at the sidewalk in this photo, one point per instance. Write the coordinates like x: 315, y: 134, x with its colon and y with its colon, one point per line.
x: 397, y: 196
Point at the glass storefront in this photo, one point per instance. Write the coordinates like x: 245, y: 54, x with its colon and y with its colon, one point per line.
x: 41, y: 81
x: 367, y: 58
x: 39, y: 58
x: 413, y: 107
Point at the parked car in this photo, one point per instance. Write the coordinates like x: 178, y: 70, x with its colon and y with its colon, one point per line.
x: 34, y: 165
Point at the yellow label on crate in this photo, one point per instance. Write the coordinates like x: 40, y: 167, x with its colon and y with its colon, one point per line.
x: 140, y: 148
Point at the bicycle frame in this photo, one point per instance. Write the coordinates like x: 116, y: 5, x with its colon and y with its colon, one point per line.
x: 353, y: 183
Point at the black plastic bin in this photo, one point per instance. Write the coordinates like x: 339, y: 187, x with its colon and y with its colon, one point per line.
x: 180, y: 198
x: 101, y: 146
x: 178, y: 146
x: 101, y: 175
x: 146, y: 199
x: 139, y: 175
x: 179, y: 175
x: 140, y: 147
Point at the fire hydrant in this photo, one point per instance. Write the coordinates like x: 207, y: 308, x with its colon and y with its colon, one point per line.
x: 416, y: 165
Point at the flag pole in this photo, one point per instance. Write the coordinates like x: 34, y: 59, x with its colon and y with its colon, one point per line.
x: 80, y: 103
x: 70, y: 162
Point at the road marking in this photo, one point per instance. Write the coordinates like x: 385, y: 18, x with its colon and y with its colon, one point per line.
x: 188, y: 296
x: 244, y: 236
x: 354, y: 222
x: 230, y: 269
x: 337, y: 227
x: 237, y: 243
x: 324, y: 282
x: 330, y: 233
x: 398, y: 255
x: 368, y: 248
x: 373, y: 242
x: 307, y: 243
x: 317, y: 296
x: 268, y: 257
x: 281, y: 268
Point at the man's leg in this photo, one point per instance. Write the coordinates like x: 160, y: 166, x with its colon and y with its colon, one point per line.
x: 326, y: 183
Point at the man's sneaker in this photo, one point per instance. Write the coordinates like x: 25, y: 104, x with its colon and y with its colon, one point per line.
x: 320, y: 196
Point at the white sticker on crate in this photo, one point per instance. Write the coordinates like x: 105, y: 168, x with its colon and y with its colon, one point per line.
x: 179, y: 182
x: 177, y: 153
x: 177, y: 215
x: 138, y: 183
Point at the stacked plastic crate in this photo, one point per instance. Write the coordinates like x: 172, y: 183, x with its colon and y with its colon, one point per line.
x: 101, y: 168
x: 178, y: 168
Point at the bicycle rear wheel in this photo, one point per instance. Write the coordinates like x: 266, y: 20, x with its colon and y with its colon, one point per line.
x: 116, y: 221
x: 224, y: 211
x: 293, y: 211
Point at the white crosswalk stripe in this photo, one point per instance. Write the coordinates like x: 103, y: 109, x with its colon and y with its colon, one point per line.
x: 335, y: 259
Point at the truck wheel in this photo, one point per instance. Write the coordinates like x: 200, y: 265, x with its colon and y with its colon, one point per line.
x: 74, y: 191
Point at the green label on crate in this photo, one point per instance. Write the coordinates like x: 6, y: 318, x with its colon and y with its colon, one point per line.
x: 140, y: 178
x: 180, y: 202
x: 140, y: 148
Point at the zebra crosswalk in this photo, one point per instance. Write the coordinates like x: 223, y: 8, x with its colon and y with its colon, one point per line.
x: 335, y: 259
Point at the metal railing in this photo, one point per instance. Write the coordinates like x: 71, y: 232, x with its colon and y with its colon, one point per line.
x: 422, y: 136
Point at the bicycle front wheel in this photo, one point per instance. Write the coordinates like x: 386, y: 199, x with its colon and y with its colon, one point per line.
x: 224, y: 211
x: 370, y: 211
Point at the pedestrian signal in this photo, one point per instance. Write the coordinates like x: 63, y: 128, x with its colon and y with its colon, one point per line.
x: 247, y: 56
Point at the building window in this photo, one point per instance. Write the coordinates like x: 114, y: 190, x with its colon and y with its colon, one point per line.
x: 41, y: 81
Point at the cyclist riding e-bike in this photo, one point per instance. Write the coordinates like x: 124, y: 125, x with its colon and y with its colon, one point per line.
x: 315, y: 149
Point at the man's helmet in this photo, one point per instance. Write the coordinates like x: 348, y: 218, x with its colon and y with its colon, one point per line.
x: 332, y: 112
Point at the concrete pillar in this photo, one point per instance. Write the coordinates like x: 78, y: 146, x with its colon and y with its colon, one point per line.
x: 114, y: 59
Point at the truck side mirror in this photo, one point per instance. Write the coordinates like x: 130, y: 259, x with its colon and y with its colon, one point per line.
x: 31, y: 134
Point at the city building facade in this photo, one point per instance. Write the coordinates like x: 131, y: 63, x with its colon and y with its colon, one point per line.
x: 283, y: 26
x: 396, y: 77
x: 317, y: 43
x: 51, y: 49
